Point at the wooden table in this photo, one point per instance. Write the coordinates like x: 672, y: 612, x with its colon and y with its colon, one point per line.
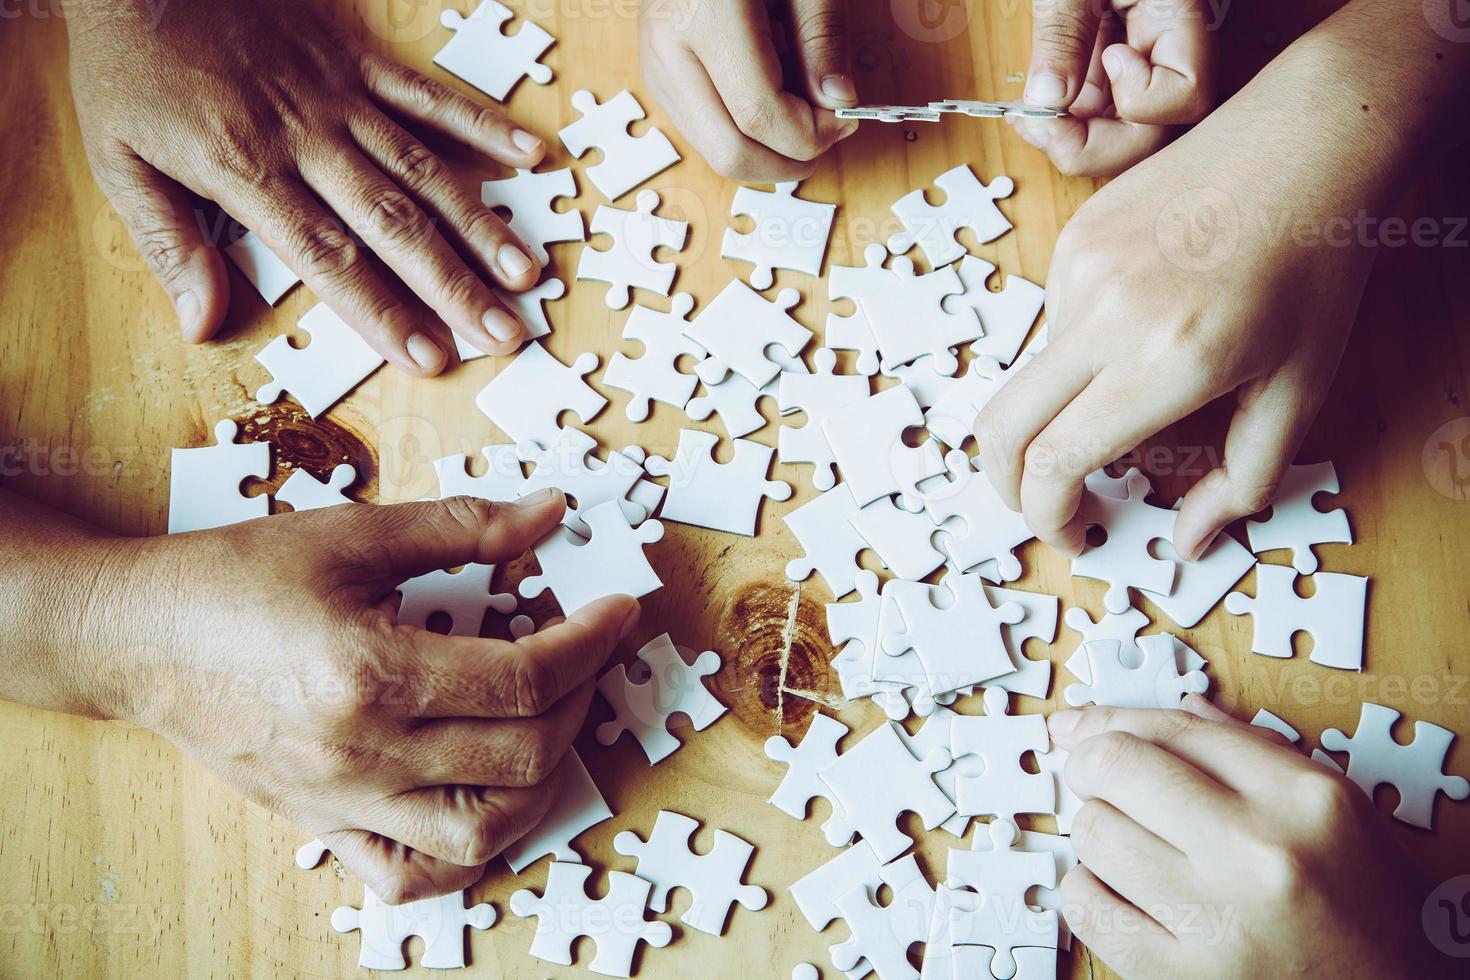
x: 118, y: 856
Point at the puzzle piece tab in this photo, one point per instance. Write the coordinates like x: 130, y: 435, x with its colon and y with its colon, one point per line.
x: 615, y: 922
x: 673, y: 687
x: 318, y: 375
x: 481, y: 53
x: 789, y: 233
x: 713, y: 879
x: 636, y: 236
x: 627, y: 160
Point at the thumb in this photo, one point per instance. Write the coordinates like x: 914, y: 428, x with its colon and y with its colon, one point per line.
x: 1063, y: 35
x: 159, y: 215
x: 826, y: 55
x: 1268, y: 426
x: 391, y: 543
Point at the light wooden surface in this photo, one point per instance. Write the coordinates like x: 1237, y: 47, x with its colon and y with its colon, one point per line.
x: 119, y: 857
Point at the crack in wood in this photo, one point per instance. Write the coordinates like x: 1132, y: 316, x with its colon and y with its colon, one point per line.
x: 788, y: 637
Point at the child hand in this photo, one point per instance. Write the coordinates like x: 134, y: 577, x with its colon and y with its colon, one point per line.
x: 1209, y: 848
x: 290, y: 127
x: 713, y: 66
x: 415, y: 757
x: 1128, y: 78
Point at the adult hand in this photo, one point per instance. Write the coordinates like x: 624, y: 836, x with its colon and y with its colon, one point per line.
x: 294, y: 129
x: 1174, y: 285
x: 415, y: 757
x: 1128, y: 72
x: 715, y: 67
x: 1212, y: 849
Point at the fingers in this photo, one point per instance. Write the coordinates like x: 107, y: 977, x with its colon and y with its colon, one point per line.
x: 1126, y: 403
x: 683, y: 87
x: 446, y: 111
x: 459, y: 677
x: 400, y: 235
x: 159, y: 215
x: 1024, y: 406
x: 1130, y: 942
x: 1063, y: 34
x: 381, y: 547
x: 478, y: 752
x: 1135, y: 863
x: 742, y: 65
x: 1095, y: 146
x: 824, y: 51
x: 396, y: 873
x: 1196, y: 704
x: 1269, y: 425
x: 1165, y: 74
x: 464, y: 825
x: 464, y: 219
x: 314, y: 244
x: 1227, y: 754
x: 1160, y: 791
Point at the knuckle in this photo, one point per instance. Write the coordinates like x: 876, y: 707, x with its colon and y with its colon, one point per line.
x: 533, y: 689
x: 533, y: 761
x: 482, y: 118
x: 473, y: 514
x: 460, y: 287
x: 237, y: 157
x: 729, y: 160
x: 394, y: 217
x: 1065, y: 35
x: 1281, y: 870
x: 417, y: 165
x: 1326, y: 800
x: 754, y: 116
x: 396, y: 889
x: 481, y: 840
x: 482, y: 224
x: 1174, y: 724
x: 326, y: 252
x: 1085, y: 822
x: 1111, y: 754
x: 166, y: 254
x: 1253, y: 499
x: 423, y: 94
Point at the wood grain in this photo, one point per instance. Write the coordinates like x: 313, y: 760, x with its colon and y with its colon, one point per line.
x: 119, y: 857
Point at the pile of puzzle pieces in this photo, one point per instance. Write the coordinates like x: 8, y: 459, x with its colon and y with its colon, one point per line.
x: 928, y: 350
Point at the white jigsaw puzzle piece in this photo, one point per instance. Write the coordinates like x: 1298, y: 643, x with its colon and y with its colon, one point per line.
x: 1003, y: 788
x: 627, y: 160
x: 1153, y: 680
x: 530, y: 198
x: 526, y: 399
x: 318, y: 375
x: 673, y: 687
x: 721, y: 496
x: 1006, y: 315
x: 630, y: 263
x: 1126, y: 558
x: 655, y: 376
x: 462, y: 595
x: 967, y: 204
x: 735, y: 399
x: 867, y: 441
x: 817, y: 892
x: 1295, y: 522
x: 872, y: 805
x: 1415, y: 770
x: 481, y: 53
x: 713, y: 879
x: 305, y: 492
x: 615, y: 922
x: 528, y: 307
x: 817, y: 396
x: 978, y: 527
x: 578, y: 571
x: 831, y: 543
x: 801, y: 784
x: 882, y: 934
x: 578, y: 807
x: 271, y: 277
x: 502, y: 481
x: 959, y: 642
x: 440, y: 922
x: 1031, y: 677
x: 1333, y: 616
x: 739, y: 327
x: 789, y: 233
x: 204, y: 482
x: 900, y: 539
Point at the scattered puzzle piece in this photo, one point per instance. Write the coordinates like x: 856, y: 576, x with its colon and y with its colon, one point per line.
x: 713, y: 879
x: 655, y: 377
x: 204, y: 483
x: 1333, y: 616
x: 967, y: 204
x: 722, y: 496
x: 739, y: 326
x: 1271, y: 722
x: 909, y: 320
x: 305, y: 492
x: 831, y: 543
x: 627, y: 160
x: 978, y: 527
x: 1003, y: 788
x: 817, y: 892
x: 882, y: 934
x: 439, y: 922
x: 1154, y: 681
x: 801, y: 784
x: 1295, y: 522
x: 481, y: 53
x: 959, y: 642
x: 867, y: 441
x: 900, y: 539
x: 318, y: 375
x: 567, y: 464
x: 735, y: 399
x: 673, y: 687
x: 817, y: 396
x: 789, y: 233
x: 871, y: 806
x: 997, y: 914
x: 527, y: 397
x: 1415, y: 771
x: 502, y: 481
x: 463, y: 596
x: 615, y: 922
x: 578, y: 807
x: 1005, y: 315
x: 630, y: 263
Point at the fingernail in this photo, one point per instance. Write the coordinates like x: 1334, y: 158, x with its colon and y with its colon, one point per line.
x: 1063, y: 722
x: 525, y: 142
x: 187, y: 306
x: 1038, y: 136
x: 538, y: 498
x: 513, y: 262
x: 502, y: 326
x: 425, y: 353
x: 1112, y: 60
x: 839, y: 88
x: 1198, y: 550
x: 1046, y: 88
x: 1197, y: 705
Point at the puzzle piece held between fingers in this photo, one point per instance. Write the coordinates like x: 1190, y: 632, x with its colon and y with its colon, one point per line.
x: 614, y: 922
x: 318, y: 375
x: 463, y: 596
x: 440, y: 922
x: 1125, y: 558
x: 481, y: 53
x: 789, y: 233
x: 271, y: 277
x: 579, y: 572
x: 673, y: 687
x: 967, y: 204
x: 713, y: 879
x: 627, y: 160
x: 1415, y: 770
x: 636, y: 236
